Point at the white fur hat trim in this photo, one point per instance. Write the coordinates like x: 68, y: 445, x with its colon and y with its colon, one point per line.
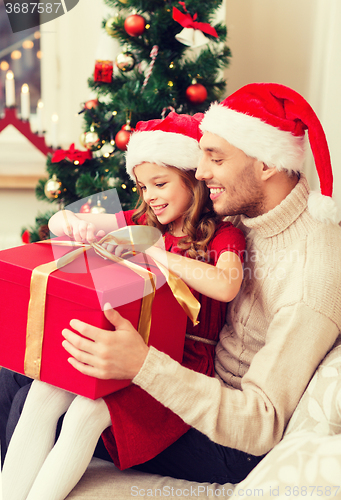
x: 272, y: 146
x: 323, y: 208
x: 167, y: 149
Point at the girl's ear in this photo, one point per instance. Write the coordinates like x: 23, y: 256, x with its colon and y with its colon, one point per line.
x: 267, y: 172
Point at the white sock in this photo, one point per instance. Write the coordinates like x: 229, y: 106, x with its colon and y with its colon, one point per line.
x: 83, y: 424
x: 33, y: 438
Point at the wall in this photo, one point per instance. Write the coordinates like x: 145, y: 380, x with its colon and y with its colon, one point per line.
x: 271, y: 41
x: 298, y: 44
x: 18, y: 208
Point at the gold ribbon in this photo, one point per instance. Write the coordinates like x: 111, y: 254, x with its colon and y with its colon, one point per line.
x: 139, y: 238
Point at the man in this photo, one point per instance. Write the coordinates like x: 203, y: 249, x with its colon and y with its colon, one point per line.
x: 287, y: 314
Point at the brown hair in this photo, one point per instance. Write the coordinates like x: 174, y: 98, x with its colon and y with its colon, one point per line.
x: 200, y: 220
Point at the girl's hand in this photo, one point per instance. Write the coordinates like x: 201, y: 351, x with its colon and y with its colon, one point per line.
x: 121, y: 250
x: 118, y: 250
x: 67, y: 223
x: 83, y: 231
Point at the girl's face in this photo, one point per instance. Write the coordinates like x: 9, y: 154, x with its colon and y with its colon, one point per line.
x: 165, y: 192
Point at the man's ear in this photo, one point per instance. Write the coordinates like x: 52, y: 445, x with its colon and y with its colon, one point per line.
x: 267, y: 172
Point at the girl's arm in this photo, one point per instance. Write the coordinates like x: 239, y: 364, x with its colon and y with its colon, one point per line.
x: 221, y: 282
x: 82, y: 227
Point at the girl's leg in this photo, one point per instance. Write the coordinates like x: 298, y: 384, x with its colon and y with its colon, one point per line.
x: 33, y: 438
x: 83, y: 424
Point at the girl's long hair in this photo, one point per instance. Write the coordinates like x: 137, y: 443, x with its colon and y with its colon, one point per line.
x: 200, y: 220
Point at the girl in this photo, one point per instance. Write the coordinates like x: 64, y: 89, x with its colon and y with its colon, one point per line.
x: 205, y: 252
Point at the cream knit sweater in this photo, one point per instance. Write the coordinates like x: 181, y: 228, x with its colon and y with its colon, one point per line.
x: 284, y: 320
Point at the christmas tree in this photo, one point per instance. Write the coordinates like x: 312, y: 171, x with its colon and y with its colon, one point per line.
x: 172, y: 59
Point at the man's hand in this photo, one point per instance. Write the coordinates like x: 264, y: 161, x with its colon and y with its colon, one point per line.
x: 106, y: 354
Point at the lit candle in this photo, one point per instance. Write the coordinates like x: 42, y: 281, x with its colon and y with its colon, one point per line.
x: 10, y: 89
x: 25, y: 102
x: 40, y: 126
x: 54, y: 132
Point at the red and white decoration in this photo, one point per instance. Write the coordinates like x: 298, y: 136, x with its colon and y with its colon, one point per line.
x: 153, y: 54
x: 24, y: 127
x: 22, y: 124
x: 192, y: 33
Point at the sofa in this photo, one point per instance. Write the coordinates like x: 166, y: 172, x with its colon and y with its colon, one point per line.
x: 306, y: 462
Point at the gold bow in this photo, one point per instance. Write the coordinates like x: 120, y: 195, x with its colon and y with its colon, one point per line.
x: 138, y: 238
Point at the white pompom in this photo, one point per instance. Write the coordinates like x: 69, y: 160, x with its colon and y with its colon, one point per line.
x: 323, y: 208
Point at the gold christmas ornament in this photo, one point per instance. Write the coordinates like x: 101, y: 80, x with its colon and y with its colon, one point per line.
x: 98, y: 209
x: 52, y: 188
x: 92, y: 141
x: 125, y: 61
x: 110, y: 26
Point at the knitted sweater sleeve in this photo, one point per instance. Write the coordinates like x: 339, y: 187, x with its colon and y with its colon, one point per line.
x: 252, y: 419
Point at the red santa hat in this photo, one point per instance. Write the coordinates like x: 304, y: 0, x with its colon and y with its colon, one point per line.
x: 173, y: 141
x: 268, y: 121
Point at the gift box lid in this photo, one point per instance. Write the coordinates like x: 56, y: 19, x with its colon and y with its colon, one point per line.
x: 97, y: 277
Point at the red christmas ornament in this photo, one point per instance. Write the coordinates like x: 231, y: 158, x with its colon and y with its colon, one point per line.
x: 196, y: 93
x: 135, y: 25
x: 85, y: 209
x: 92, y: 103
x: 122, y: 137
x: 25, y: 237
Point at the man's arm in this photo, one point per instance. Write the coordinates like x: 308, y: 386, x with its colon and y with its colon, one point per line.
x: 252, y: 420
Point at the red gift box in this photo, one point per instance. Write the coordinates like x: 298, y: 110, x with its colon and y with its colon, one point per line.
x: 74, y: 293
x: 103, y: 71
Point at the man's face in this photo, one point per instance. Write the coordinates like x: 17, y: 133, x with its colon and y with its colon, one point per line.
x: 232, y: 177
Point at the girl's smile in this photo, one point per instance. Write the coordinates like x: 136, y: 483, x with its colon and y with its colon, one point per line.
x: 158, y: 209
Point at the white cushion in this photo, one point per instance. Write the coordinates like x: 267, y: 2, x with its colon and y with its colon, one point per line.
x: 307, y: 462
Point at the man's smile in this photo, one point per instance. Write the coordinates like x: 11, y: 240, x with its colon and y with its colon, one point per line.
x: 215, y: 192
